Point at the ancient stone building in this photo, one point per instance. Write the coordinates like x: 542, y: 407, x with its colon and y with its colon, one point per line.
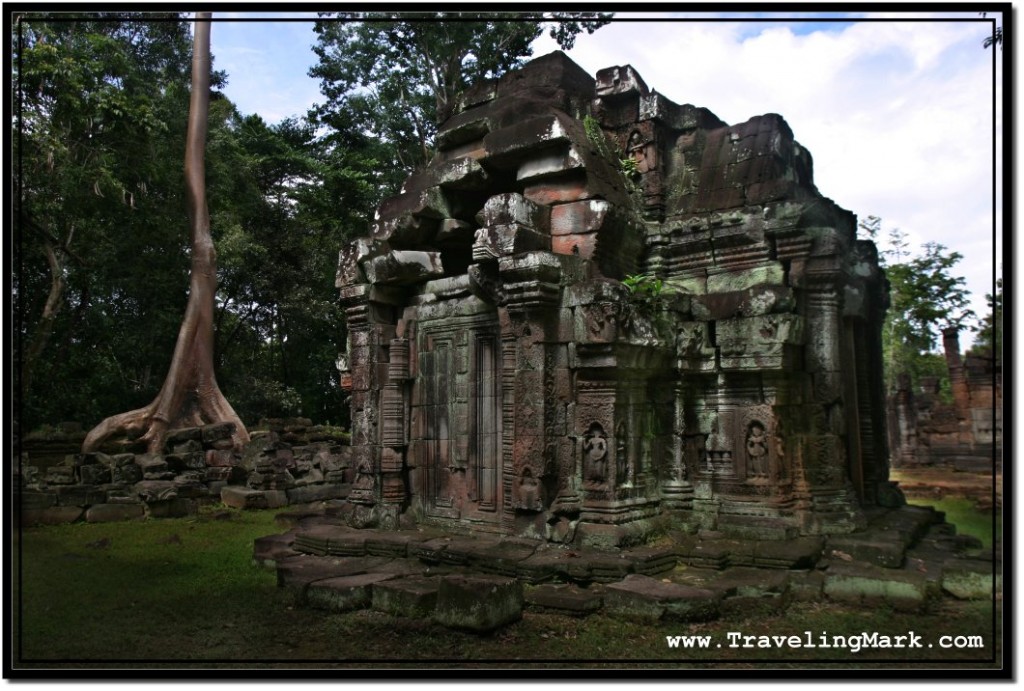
x: 965, y: 434
x: 598, y: 313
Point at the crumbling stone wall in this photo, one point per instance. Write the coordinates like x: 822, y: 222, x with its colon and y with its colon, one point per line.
x: 288, y: 461
x: 509, y: 372
x: 966, y: 434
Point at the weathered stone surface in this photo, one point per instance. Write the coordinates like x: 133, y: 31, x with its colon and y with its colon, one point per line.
x: 320, y: 492
x: 344, y: 593
x: 403, y: 266
x: 52, y: 515
x: 563, y: 599
x: 539, y: 383
x: 269, y: 550
x: 155, y: 490
x: 94, y: 474
x: 411, y: 596
x: 642, y: 598
x: 970, y: 579
x: 478, y: 603
x: 882, y: 548
x: 243, y: 498
x: 107, y: 513
x: 869, y: 585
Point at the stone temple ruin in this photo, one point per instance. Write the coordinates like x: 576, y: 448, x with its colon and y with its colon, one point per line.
x: 597, y: 311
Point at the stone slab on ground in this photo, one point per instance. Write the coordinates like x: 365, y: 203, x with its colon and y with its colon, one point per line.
x: 53, y: 515
x: 296, y: 573
x: 970, y: 579
x: 344, y: 593
x: 109, y: 513
x: 749, y: 592
x: 881, y: 547
x: 267, y: 551
x: 243, y: 498
x: 861, y: 583
x: 411, y: 596
x: 563, y: 598
x: 478, y: 603
x: 806, y: 586
x: 642, y: 598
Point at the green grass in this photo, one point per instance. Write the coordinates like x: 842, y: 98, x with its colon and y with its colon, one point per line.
x: 968, y: 520
x: 179, y: 592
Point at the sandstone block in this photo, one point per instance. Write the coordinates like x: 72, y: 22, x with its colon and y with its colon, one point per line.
x: 411, y: 596
x: 107, y: 513
x: 642, y: 598
x: 478, y: 603
x: 344, y: 593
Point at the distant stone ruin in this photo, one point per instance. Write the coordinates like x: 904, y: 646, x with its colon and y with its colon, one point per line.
x: 596, y: 313
x: 965, y: 434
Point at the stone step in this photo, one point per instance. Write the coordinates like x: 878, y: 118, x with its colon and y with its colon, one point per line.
x: 564, y: 599
x: 344, y: 593
x: 868, y: 585
x: 642, y: 598
x: 411, y: 596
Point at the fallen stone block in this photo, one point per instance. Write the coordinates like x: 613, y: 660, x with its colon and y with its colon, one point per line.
x: 564, y: 599
x: 269, y: 550
x: 412, y: 596
x: 883, y: 548
x: 478, y: 603
x: 344, y: 593
x: 642, y: 598
x: 294, y: 574
x: 108, y: 513
x: 807, y: 586
x: 748, y: 591
x: 53, y: 515
x: 173, y: 508
x: 970, y: 579
x: 243, y: 497
x: 865, y: 584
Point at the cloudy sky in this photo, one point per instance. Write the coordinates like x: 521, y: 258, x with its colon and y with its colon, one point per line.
x: 901, y: 112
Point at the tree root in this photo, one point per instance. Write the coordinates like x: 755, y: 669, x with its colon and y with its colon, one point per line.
x: 147, y: 426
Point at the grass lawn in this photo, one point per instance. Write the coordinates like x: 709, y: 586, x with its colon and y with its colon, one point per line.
x: 183, y: 593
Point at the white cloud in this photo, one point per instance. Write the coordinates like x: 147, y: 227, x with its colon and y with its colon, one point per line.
x: 897, y: 114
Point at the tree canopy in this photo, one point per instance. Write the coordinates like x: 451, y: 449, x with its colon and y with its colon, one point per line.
x: 925, y: 298
x: 395, y: 76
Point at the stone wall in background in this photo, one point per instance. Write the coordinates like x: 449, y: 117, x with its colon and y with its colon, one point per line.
x: 966, y: 434
x: 287, y: 462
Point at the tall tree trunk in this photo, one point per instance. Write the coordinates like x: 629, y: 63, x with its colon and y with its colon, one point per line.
x: 190, y: 394
x: 41, y: 334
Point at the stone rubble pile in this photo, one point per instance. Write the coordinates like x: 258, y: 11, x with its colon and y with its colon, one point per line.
x: 290, y: 462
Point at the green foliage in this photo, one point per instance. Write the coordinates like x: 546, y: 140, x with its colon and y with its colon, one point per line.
x: 644, y: 286
x: 396, y: 76
x: 925, y: 298
x: 101, y: 189
x: 989, y: 341
x: 95, y: 193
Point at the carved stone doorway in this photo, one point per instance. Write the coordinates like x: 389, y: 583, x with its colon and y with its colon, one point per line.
x: 457, y: 444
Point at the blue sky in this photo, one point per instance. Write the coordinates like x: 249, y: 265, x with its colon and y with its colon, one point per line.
x: 897, y: 110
